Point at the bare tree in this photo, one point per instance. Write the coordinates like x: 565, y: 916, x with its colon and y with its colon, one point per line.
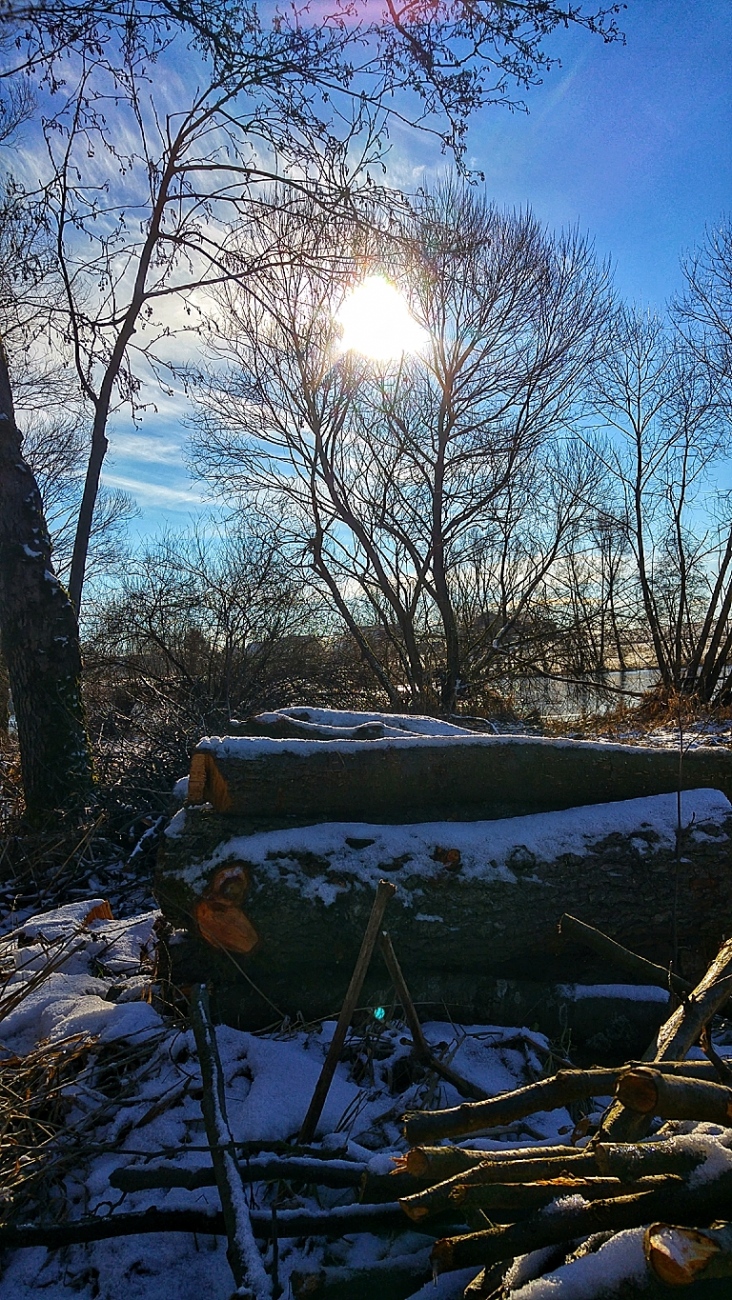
x: 140, y: 188
x: 667, y: 437
x: 395, y: 479
x: 187, y: 641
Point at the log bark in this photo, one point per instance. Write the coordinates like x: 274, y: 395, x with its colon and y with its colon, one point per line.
x: 631, y: 1160
x: 606, y: 948
x: 40, y: 638
x: 514, y: 1198
x: 436, y: 1164
x: 682, y: 1029
x: 385, y: 891
x: 430, y: 778
x: 679, y: 1256
x: 243, y: 1255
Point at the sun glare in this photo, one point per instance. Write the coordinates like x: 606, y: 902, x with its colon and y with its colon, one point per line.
x: 377, y: 322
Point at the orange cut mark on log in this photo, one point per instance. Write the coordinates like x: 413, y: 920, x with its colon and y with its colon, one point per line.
x: 219, y: 915
x: 205, y: 782
x: 102, y: 912
x: 677, y: 1254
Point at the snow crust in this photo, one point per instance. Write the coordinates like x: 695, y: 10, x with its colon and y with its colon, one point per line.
x: 255, y: 747
x: 397, y: 724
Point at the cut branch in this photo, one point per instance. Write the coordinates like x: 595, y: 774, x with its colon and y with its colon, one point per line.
x: 548, y: 1094
x: 242, y: 1253
x: 607, y: 948
x: 649, y: 1092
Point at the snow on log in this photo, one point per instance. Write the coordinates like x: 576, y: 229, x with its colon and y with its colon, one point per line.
x: 474, y: 919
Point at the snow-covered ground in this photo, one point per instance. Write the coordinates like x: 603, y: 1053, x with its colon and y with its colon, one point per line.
x: 78, y: 985
x: 83, y: 986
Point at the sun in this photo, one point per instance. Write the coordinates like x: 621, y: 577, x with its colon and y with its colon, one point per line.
x: 377, y: 322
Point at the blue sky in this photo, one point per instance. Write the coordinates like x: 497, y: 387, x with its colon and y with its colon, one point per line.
x: 632, y: 143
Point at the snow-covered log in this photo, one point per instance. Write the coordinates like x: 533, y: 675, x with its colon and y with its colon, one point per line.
x: 474, y: 918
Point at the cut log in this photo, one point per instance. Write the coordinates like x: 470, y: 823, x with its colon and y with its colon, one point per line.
x: 680, y: 1256
x: 691, y: 1205
x: 682, y: 1029
x: 649, y: 1092
x: 428, y: 778
x: 474, y: 919
x: 630, y: 1161
x: 436, y: 1164
x: 548, y: 1094
x: 626, y: 1161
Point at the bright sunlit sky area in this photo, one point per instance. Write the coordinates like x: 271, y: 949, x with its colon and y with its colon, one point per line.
x: 633, y: 143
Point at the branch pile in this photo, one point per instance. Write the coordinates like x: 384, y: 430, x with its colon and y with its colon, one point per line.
x: 566, y: 1202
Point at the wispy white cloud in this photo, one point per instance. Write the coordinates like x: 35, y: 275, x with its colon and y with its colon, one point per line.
x: 151, y: 494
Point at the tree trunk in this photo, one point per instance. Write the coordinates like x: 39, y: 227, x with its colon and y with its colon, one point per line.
x: 4, y: 700
x: 40, y: 637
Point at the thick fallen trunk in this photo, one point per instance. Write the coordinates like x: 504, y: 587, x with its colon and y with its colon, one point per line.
x: 428, y: 777
x: 476, y: 909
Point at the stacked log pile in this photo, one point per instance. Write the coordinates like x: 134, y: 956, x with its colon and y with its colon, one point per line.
x: 290, y: 824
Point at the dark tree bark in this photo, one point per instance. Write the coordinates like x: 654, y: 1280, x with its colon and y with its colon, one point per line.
x: 4, y: 700
x: 40, y: 637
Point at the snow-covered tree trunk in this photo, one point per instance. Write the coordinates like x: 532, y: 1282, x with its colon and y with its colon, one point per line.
x: 40, y: 637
